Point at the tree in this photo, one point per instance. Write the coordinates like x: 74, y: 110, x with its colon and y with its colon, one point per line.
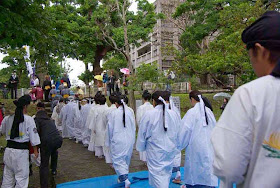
x: 122, y: 29
x: 114, y: 62
x: 212, y: 42
x: 147, y: 73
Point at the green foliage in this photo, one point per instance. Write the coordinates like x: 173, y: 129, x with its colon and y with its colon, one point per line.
x: 212, y: 42
x: 147, y: 73
x: 114, y: 62
x: 86, y: 77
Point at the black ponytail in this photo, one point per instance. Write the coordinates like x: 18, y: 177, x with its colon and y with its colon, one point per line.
x: 155, y: 97
x: 121, y: 99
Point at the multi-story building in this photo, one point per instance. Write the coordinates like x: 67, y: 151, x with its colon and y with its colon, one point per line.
x: 166, y: 33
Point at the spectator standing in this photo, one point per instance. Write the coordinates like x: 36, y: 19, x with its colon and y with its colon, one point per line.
x: 112, y: 80
x: 39, y: 93
x: 66, y: 91
x: 47, y: 87
x: 13, y: 83
x: 50, y: 142
x: 5, y: 91
x: 36, y: 80
x: 80, y: 93
x: 66, y: 79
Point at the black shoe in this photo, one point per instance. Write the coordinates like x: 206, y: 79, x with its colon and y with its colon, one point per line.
x: 54, y: 172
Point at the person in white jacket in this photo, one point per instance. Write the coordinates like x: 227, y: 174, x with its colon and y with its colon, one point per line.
x: 246, y: 139
x: 141, y: 110
x: 158, y: 135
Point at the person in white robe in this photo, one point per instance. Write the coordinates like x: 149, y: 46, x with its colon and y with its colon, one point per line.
x: 178, y: 157
x: 56, y: 114
x: 113, y: 99
x: 194, y: 137
x: 121, y: 138
x: 99, y: 126
x: 90, y: 122
x: 141, y: 110
x: 158, y: 136
x: 246, y: 139
x: 63, y: 116
x: 77, y: 121
x: 85, y: 130
x: 68, y: 117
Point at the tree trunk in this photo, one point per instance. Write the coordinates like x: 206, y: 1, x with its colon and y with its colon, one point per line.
x: 132, y: 102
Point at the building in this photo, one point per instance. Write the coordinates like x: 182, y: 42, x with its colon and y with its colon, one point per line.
x: 166, y: 33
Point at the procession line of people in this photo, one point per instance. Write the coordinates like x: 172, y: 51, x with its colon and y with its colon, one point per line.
x: 110, y: 133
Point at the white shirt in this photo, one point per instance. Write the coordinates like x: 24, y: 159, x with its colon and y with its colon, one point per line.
x: 27, y: 130
x: 36, y: 82
x: 246, y: 139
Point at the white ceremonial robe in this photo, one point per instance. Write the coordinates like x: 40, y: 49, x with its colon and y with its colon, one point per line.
x: 70, y: 119
x: 99, y: 128
x: 195, y: 137
x: 246, y: 140
x: 56, y: 119
x: 77, y: 121
x: 141, y: 110
x: 107, y: 152
x: 160, y: 145
x: 85, y: 130
x: 89, y: 124
x: 63, y: 117
x: 178, y: 156
x: 121, y: 139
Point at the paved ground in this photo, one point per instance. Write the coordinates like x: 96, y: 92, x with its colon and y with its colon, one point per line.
x: 76, y: 162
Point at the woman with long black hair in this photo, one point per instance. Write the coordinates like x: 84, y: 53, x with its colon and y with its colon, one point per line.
x: 158, y: 136
x: 121, y: 135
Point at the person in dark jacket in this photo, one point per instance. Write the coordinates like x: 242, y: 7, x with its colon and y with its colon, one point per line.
x: 47, y: 86
x: 66, y: 79
x: 50, y: 142
x: 13, y: 83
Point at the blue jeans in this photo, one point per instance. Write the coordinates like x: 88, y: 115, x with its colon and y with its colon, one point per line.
x: 198, y: 186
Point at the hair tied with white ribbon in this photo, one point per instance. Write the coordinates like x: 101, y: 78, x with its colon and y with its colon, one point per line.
x: 164, y: 112
x: 203, y: 111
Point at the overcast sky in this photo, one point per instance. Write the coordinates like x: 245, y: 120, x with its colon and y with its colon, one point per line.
x: 76, y: 66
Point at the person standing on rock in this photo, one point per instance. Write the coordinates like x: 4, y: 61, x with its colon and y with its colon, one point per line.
x: 19, y: 129
x: 50, y: 142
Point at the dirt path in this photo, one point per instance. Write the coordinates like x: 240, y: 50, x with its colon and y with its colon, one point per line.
x: 76, y: 162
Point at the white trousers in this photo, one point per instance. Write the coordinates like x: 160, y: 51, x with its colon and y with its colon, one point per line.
x: 16, y: 170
